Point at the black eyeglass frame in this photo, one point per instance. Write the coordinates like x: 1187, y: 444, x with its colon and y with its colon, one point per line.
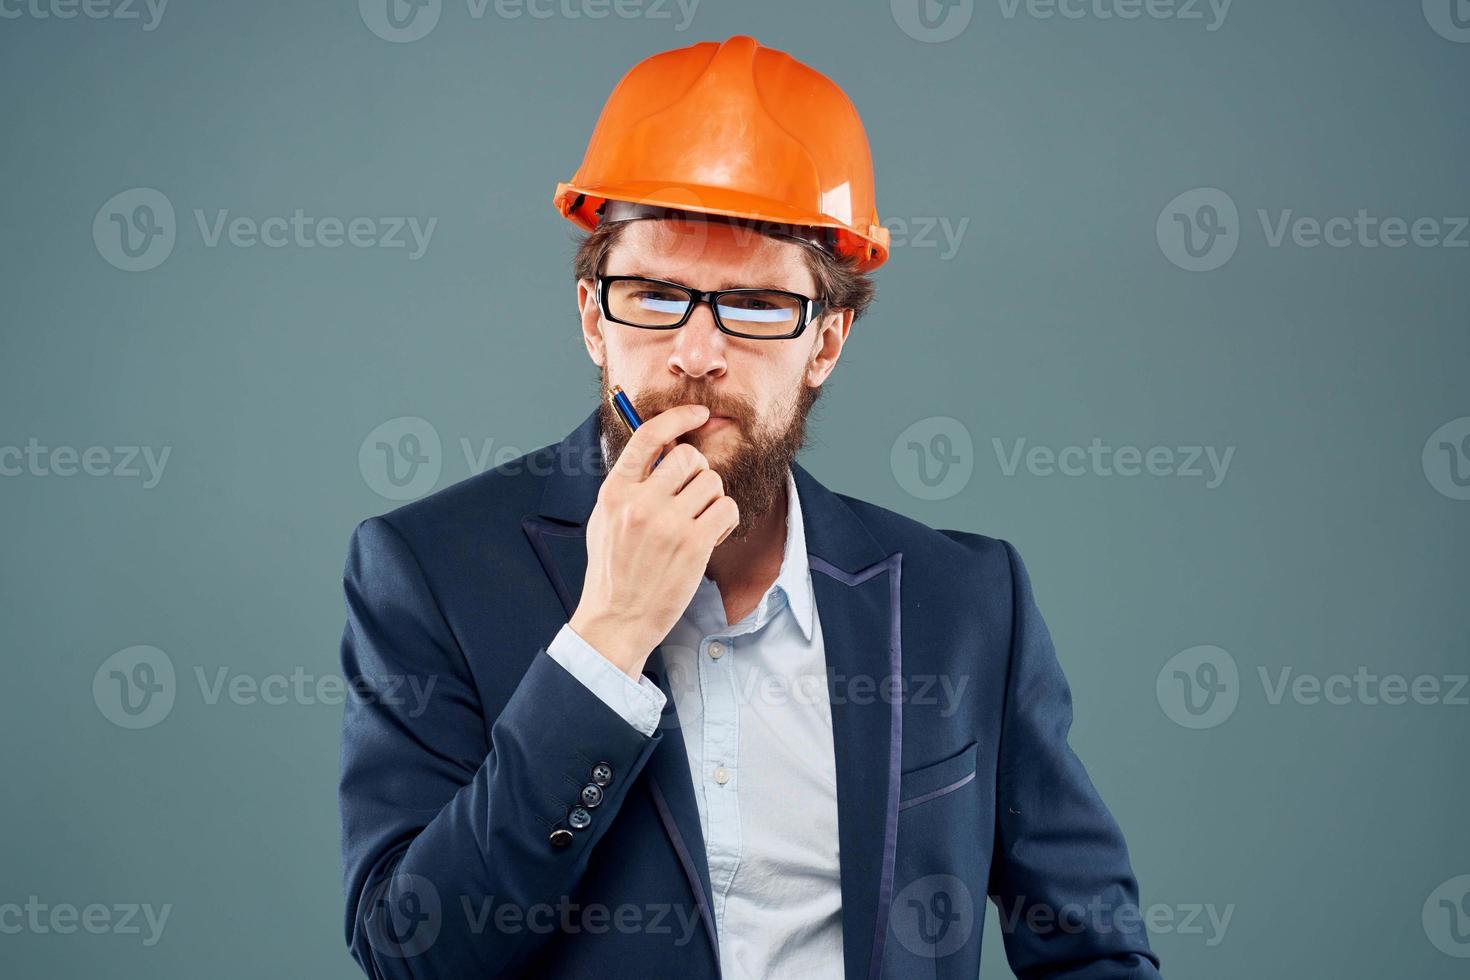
x: 809, y: 310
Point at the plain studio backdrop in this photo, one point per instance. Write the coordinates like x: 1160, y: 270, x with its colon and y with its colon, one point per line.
x: 1177, y: 304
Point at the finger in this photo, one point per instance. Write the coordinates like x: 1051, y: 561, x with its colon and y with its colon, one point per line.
x: 704, y: 489
x: 644, y: 446
x: 680, y: 465
x: 719, y: 519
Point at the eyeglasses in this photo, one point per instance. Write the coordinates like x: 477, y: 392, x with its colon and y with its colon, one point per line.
x: 757, y: 314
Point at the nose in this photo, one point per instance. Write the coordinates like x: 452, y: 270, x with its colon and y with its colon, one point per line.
x: 699, y: 346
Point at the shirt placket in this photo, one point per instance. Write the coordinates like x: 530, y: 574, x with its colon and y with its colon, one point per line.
x: 720, y: 775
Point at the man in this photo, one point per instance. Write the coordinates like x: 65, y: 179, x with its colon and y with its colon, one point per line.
x: 694, y: 714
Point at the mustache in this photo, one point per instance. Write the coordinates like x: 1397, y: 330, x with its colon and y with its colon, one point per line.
x: 717, y: 404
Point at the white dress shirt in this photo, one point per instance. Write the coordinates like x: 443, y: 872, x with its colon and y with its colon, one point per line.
x: 753, y: 709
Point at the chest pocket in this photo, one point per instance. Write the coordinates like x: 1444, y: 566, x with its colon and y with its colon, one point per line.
x: 919, y: 786
x: 938, y: 906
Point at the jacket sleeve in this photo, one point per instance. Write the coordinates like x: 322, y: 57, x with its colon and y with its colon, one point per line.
x: 640, y: 704
x: 442, y: 826
x: 1060, y: 875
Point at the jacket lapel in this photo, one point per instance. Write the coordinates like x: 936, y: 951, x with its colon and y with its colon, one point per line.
x: 856, y: 583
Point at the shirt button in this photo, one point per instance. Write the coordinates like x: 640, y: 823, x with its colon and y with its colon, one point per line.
x: 716, y: 648
x: 722, y: 775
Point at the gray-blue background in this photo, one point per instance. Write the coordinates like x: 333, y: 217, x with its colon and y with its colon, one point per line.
x: 1050, y: 147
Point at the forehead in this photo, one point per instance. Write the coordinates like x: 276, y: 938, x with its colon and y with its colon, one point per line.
x: 708, y: 255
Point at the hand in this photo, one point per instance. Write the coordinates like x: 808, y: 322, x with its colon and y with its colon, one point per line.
x: 649, y: 540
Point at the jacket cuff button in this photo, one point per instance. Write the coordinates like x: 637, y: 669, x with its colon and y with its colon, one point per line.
x: 560, y: 837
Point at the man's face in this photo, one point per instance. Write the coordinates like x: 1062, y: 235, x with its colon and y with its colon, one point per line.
x: 759, y: 391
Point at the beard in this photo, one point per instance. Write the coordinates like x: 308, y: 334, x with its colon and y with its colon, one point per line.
x: 753, y: 470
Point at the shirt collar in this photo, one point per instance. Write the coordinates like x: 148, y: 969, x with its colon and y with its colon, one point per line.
x: 795, y: 578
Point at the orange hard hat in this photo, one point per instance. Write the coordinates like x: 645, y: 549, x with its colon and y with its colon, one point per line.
x: 738, y: 129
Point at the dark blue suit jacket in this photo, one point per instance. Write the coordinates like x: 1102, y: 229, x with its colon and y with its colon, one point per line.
x: 455, y: 797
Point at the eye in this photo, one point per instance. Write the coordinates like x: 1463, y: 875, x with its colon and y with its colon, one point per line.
x: 749, y: 303
x: 653, y: 293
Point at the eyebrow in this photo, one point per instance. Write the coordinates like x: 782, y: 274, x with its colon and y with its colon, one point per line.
x: 726, y: 284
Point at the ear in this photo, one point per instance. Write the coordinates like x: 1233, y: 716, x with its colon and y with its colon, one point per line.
x: 832, y: 328
x: 591, y: 318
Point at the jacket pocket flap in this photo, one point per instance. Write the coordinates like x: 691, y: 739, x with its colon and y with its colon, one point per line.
x: 937, y: 778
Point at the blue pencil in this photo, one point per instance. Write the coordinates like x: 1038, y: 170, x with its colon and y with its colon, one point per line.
x: 623, y: 405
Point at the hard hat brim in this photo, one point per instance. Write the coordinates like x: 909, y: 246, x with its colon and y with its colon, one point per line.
x: 579, y: 203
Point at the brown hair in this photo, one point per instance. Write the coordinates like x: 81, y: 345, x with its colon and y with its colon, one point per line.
x: 839, y: 285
